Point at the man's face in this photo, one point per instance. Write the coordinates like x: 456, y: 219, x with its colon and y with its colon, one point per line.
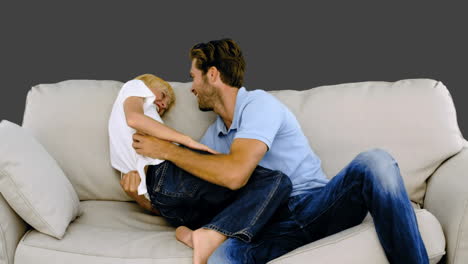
x: 201, y: 89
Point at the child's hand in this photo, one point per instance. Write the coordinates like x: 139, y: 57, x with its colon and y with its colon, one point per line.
x: 130, y: 182
x: 196, y: 145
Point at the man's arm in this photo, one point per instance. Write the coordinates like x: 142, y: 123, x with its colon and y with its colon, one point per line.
x: 231, y: 170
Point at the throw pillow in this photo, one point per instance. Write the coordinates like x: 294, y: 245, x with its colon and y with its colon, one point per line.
x: 33, y: 183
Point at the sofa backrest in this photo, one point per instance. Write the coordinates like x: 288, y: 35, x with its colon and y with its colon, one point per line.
x: 414, y: 120
x: 70, y: 119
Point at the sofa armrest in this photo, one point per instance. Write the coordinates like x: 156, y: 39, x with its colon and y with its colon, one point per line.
x: 12, y: 229
x: 447, y: 198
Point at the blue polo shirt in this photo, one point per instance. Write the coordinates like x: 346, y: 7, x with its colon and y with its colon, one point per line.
x: 259, y: 115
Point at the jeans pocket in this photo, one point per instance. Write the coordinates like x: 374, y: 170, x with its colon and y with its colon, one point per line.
x: 176, y: 183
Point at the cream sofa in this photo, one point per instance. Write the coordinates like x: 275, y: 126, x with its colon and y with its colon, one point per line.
x: 414, y: 120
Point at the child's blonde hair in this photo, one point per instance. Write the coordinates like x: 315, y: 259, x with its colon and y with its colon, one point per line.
x: 153, y: 81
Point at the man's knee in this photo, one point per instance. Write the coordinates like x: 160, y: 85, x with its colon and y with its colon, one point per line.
x: 375, y: 159
x: 376, y: 155
x: 380, y: 166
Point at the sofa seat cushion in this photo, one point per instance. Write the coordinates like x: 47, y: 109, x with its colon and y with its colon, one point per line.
x: 360, y: 244
x: 121, y: 232
x: 107, y: 232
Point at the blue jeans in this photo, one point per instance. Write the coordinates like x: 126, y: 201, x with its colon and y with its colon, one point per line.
x: 184, y: 199
x: 370, y: 183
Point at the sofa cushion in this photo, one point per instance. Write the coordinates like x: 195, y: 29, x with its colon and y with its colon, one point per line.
x: 414, y: 120
x: 107, y: 232
x: 360, y: 244
x: 185, y: 116
x: 70, y: 120
x: 33, y: 184
x: 12, y: 228
x: 122, y: 232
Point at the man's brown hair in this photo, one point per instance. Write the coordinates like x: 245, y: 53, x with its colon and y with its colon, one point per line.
x: 225, y: 55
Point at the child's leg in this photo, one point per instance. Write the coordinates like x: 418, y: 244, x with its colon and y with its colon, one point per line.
x: 203, y: 241
x: 184, y: 235
x: 182, y: 198
x: 253, y: 206
x: 187, y: 200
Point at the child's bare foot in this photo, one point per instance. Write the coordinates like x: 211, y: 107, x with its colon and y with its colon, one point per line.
x: 184, y: 235
x: 205, y: 242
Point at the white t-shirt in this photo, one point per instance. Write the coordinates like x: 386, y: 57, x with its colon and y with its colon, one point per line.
x: 123, y: 156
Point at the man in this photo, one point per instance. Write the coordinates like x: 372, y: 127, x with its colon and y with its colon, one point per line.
x: 254, y: 128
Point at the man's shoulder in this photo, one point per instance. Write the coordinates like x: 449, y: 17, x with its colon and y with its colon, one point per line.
x: 258, y: 93
x: 261, y: 96
x: 263, y: 99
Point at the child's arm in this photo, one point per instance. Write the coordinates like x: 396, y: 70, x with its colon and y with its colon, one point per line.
x: 136, y: 119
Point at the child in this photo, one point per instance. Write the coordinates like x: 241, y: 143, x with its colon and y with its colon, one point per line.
x: 183, y: 199
x: 139, y: 104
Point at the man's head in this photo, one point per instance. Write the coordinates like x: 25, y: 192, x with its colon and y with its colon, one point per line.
x: 163, y: 91
x: 215, y: 63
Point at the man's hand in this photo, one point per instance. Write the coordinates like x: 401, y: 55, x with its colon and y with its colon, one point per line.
x: 151, y: 146
x: 130, y: 182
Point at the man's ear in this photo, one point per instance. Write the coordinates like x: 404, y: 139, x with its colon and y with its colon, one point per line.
x: 213, y: 74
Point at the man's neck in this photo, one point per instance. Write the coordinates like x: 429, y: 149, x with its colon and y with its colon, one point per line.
x: 227, y: 105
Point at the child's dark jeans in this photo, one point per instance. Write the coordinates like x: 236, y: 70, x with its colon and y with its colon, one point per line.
x: 184, y: 199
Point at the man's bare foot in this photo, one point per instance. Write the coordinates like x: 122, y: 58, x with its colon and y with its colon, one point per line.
x: 205, y: 242
x: 184, y: 235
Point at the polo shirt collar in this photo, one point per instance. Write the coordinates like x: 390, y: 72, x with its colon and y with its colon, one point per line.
x: 240, y: 100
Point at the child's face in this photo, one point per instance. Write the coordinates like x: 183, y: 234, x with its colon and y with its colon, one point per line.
x: 162, y: 99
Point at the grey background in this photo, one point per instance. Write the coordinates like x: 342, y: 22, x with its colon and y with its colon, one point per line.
x: 287, y: 46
